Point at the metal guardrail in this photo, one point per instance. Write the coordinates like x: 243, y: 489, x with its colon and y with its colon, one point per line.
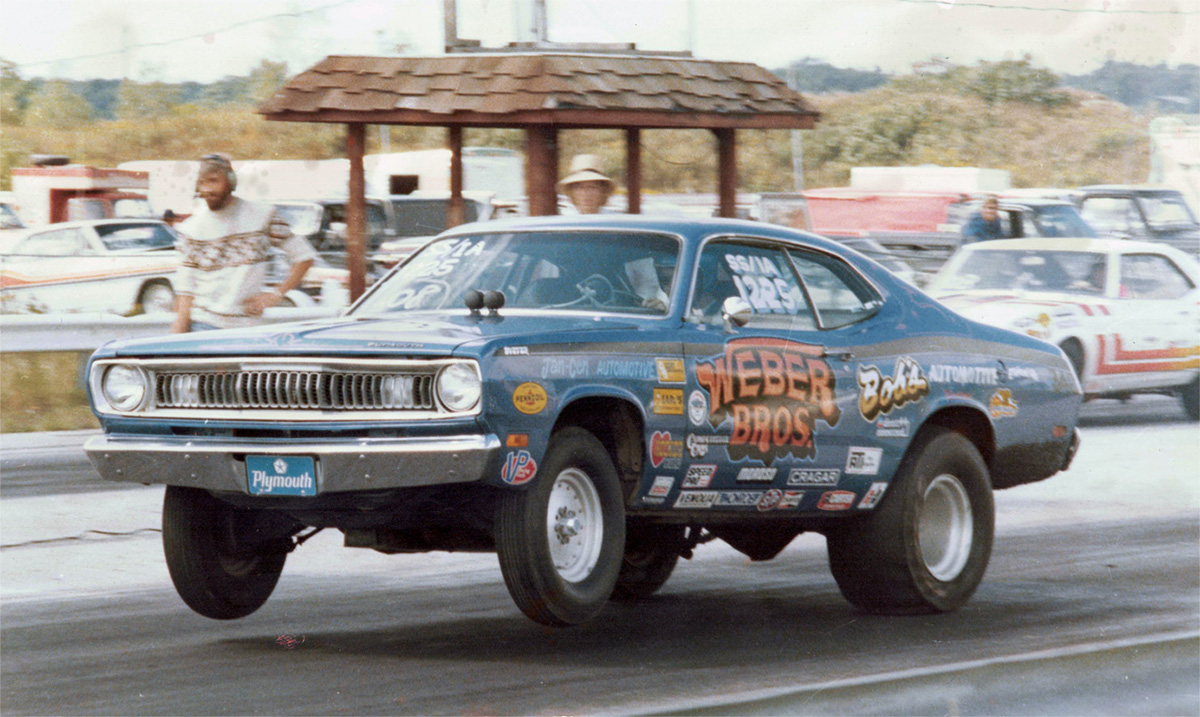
x: 89, y: 331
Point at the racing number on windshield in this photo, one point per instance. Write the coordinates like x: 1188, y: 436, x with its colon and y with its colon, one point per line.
x: 433, y: 267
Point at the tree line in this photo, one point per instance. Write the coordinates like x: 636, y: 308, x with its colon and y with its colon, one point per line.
x: 1047, y: 130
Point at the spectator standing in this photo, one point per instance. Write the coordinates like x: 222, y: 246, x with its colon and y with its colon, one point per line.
x: 226, y: 245
x: 984, y: 224
x: 586, y: 186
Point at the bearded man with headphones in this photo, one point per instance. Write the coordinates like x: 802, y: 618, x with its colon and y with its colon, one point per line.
x: 226, y: 245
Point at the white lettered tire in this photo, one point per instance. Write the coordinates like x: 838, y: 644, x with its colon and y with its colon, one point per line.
x: 561, y: 540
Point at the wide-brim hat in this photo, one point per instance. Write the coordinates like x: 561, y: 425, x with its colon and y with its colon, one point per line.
x: 585, y: 168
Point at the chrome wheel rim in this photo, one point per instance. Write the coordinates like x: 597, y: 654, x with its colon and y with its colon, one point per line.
x: 574, y: 525
x: 946, y: 527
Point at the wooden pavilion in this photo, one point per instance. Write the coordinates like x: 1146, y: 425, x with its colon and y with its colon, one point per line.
x: 540, y: 92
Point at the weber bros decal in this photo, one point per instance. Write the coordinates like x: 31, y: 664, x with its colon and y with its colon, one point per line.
x: 774, y: 391
x: 880, y: 394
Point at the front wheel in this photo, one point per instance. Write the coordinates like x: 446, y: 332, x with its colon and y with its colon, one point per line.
x: 926, y: 547
x: 222, y: 561
x: 560, y: 541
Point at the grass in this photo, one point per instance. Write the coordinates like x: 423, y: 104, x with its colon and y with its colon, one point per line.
x: 43, y: 391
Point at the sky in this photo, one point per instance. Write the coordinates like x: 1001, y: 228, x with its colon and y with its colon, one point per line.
x: 174, y: 40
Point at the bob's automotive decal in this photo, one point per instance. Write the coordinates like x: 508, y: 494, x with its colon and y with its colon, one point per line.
x: 774, y: 391
x: 880, y: 394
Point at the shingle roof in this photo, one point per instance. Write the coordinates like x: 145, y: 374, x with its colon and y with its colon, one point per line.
x: 508, y: 89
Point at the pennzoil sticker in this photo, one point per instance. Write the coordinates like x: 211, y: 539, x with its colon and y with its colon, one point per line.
x: 529, y: 398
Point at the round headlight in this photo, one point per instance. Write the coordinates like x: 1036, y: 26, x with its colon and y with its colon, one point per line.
x: 124, y: 387
x: 458, y: 387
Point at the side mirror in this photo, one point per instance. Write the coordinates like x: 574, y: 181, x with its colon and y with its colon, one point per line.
x: 736, y: 311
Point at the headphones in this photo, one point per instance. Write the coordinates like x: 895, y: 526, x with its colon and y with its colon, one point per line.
x: 222, y: 161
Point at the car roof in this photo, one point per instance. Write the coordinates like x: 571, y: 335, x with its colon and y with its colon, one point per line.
x: 94, y: 223
x: 1083, y: 244
x: 1130, y: 189
x: 687, y: 227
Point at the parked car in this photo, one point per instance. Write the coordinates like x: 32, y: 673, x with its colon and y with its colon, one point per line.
x: 125, y: 266
x: 591, y: 398
x: 1027, y: 217
x: 323, y: 223
x: 116, y: 265
x: 1124, y: 312
x: 1148, y: 213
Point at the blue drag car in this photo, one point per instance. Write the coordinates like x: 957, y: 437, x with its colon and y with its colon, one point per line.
x: 591, y: 398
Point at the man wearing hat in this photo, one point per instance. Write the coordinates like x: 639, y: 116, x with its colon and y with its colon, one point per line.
x: 226, y: 245
x: 585, y: 185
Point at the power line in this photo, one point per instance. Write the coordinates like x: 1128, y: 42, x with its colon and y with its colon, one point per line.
x: 1104, y: 11
x: 187, y: 38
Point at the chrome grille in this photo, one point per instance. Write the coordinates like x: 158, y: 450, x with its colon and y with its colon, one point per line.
x: 301, y: 389
x: 294, y: 389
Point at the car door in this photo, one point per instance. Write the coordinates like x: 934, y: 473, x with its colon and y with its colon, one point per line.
x: 762, y: 405
x: 1154, y: 337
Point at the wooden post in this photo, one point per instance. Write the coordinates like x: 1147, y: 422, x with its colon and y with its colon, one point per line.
x: 356, y: 210
x: 455, y: 212
x: 726, y: 171
x: 633, y: 169
x: 541, y: 170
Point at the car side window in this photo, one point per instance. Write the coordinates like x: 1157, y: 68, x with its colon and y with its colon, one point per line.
x: 760, y: 275
x: 1110, y: 214
x: 1151, y: 276
x: 838, y: 293
x: 61, y: 242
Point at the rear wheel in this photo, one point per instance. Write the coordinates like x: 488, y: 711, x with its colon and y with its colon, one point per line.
x: 926, y: 547
x: 222, y: 564
x: 560, y: 542
x: 651, y: 552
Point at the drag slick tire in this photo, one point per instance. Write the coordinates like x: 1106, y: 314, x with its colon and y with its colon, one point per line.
x: 927, y: 545
x: 561, y: 540
x: 651, y: 552
x: 220, y: 563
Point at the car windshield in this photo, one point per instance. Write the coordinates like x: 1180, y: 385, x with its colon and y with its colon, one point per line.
x: 621, y: 272
x: 1165, y: 209
x: 1061, y: 221
x: 303, y: 219
x: 1031, y: 270
x: 136, y: 237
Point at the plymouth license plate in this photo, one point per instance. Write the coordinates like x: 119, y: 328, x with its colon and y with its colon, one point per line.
x: 281, y: 475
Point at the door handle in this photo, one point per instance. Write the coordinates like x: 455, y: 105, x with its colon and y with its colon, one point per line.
x: 839, y: 354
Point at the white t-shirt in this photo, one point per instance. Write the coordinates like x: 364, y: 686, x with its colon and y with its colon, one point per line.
x: 226, y: 258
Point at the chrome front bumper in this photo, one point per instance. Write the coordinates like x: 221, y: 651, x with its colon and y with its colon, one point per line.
x: 367, y: 464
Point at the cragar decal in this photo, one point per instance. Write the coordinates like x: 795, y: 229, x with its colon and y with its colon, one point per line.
x: 774, y: 391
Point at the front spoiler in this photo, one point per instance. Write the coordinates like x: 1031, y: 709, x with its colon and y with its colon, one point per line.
x: 343, y: 466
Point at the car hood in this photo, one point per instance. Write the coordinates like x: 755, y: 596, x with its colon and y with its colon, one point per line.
x: 430, y: 334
